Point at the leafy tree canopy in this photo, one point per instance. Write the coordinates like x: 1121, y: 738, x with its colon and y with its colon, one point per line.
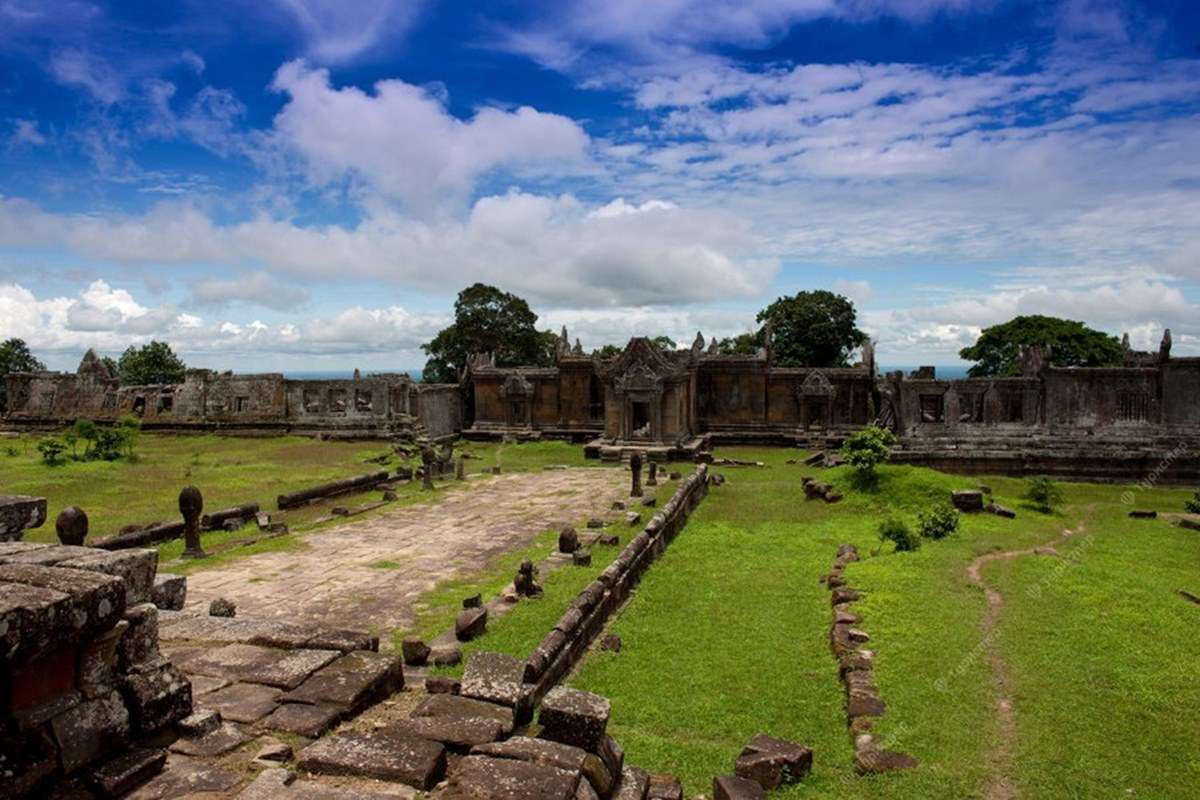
x: 487, y: 320
x: 744, y: 344
x: 614, y: 350
x: 1066, y: 343
x: 813, y: 329
x: 149, y: 364
x: 15, y: 357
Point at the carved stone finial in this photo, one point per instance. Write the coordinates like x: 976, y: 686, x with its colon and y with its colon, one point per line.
x: 714, y: 346
x: 1125, y: 342
x: 1164, y: 349
x: 698, y: 343
x: 72, y: 526
x: 191, y: 505
x: 578, y: 347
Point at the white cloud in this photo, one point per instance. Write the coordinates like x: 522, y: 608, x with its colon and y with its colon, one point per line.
x: 82, y: 69
x: 401, y: 141
x: 550, y: 249
x: 25, y: 132
x: 336, y: 32
x: 858, y: 291
x: 258, y: 288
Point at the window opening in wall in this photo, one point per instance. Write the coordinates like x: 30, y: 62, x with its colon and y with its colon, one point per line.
x: 931, y: 408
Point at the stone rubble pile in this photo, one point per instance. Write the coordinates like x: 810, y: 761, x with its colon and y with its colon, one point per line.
x: 82, y: 677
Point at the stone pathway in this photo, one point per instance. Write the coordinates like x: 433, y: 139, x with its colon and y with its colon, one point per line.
x: 1000, y: 785
x: 332, y: 583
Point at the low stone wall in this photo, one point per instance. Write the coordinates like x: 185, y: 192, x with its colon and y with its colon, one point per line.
x: 81, y: 674
x: 565, y: 645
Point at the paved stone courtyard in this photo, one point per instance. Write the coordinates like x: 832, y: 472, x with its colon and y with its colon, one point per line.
x: 331, y: 582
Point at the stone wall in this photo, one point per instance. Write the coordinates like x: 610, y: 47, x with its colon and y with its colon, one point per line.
x: 566, y: 644
x: 375, y: 405
x: 81, y: 675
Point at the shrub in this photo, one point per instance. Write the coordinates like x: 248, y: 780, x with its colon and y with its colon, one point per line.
x: 938, y: 522
x: 130, y: 429
x: 84, y: 430
x: 108, y: 444
x: 897, y: 531
x: 866, y: 449
x: 1043, y: 493
x: 1193, y: 505
x: 52, y: 451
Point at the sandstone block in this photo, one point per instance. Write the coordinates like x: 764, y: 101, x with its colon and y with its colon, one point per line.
x: 384, y: 755
x: 574, y: 717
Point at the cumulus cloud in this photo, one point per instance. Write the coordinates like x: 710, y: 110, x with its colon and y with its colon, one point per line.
x: 82, y: 69
x: 400, y: 140
x: 258, y: 288
x: 26, y: 133
x: 552, y: 249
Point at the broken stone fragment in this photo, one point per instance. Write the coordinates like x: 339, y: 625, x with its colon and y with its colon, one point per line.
x: 664, y: 787
x: 868, y: 761
x: 582, y: 558
x: 415, y: 651
x: 91, y: 729
x: 440, y: 684
x: 1000, y: 511
x: 968, y: 500
x: 1143, y: 514
x: 222, y: 607
x: 575, y: 717
x: 445, y: 655
x: 611, y: 643
x: 480, y: 776
x: 126, y: 772
x: 632, y: 518
x: 306, y: 720
x: 729, y: 787
x: 495, y: 678
x: 474, y: 601
x: 633, y: 785
x: 198, y: 723
x: 449, y: 705
x: 455, y: 732
x: 169, y: 591
x: 595, y: 522
x: 772, y: 762
x: 384, y: 754
x: 470, y: 624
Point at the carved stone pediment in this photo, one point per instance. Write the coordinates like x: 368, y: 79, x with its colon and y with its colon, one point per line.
x: 642, y: 367
x: 516, y: 386
x: 816, y: 385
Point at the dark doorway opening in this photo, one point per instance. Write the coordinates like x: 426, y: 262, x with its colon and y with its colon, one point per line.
x: 641, y: 420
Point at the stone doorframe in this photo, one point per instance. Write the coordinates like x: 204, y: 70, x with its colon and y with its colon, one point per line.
x: 517, y: 392
x: 816, y: 387
x: 653, y: 399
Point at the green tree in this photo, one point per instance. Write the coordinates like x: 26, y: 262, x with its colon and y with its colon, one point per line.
x: 1193, y: 506
x: 1066, y: 343
x: 487, y: 320
x: 150, y: 364
x: 744, y: 344
x: 1043, y: 493
x: 866, y: 449
x: 813, y: 329
x: 614, y: 350
x: 15, y: 357
x: 111, y: 364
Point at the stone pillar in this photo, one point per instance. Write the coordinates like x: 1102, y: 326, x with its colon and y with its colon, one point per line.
x: 651, y: 473
x: 72, y: 526
x: 427, y: 459
x: 460, y: 469
x: 191, y: 504
x: 635, y: 469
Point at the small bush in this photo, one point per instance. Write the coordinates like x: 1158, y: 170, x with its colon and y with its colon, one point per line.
x: 938, y: 522
x: 1193, y: 505
x: 868, y: 448
x: 1043, y: 493
x: 897, y: 531
x: 52, y: 451
x: 107, y: 445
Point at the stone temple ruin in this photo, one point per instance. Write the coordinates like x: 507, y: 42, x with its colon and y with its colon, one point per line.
x: 1097, y: 423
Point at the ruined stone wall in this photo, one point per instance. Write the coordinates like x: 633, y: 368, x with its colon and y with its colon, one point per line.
x: 439, y: 408
x: 1181, y: 392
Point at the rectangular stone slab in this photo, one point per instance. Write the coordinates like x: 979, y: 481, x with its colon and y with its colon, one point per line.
x: 46, y: 555
x: 18, y: 513
x: 448, y: 705
x: 242, y: 702
x: 384, y: 755
x: 30, y: 617
x: 506, y: 779
x: 285, y: 669
x: 459, y: 733
x: 352, y: 681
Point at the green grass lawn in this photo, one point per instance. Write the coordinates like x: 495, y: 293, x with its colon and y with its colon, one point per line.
x: 728, y: 636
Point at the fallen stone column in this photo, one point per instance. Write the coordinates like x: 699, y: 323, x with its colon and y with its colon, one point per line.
x: 215, y: 520
x: 333, y: 489
x: 19, y: 513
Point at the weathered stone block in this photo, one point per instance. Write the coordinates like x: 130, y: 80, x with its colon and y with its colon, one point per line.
x: 508, y: 779
x: 457, y: 733
x: 242, y: 702
x: 869, y: 761
x: 136, y: 567
x: 96, y: 601
x: 306, y: 720
x: 90, y: 730
x: 158, y: 698
x: 664, y: 787
x: 575, y: 717
x: 215, y: 743
x: 536, y: 751
x: 128, y: 771
x: 138, y: 648
x: 99, y: 662
x: 727, y: 787
x: 634, y: 785
x: 285, y: 669
x: 383, y: 754
x: 440, y: 684
x: 448, y: 705
x: 352, y: 682
x: 169, y: 591
x: 493, y: 677
x: 26, y: 759
x: 470, y: 624
x: 344, y: 640
x: 968, y: 500
x: 199, y: 722
x: 18, y: 513
x: 415, y: 651
x: 772, y: 762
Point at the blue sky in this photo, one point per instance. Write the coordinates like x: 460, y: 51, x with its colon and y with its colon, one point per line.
x: 306, y: 184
